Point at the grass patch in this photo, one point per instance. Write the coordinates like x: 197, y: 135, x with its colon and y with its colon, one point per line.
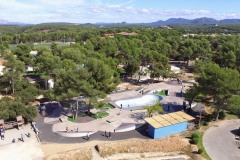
x: 100, y: 115
x: 200, y: 145
x: 161, y: 93
x: 108, y: 106
x: 230, y: 116
x: 74, y: 120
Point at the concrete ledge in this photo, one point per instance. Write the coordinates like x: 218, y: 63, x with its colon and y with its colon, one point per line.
x: 127, y: 127
x: 74, y: 134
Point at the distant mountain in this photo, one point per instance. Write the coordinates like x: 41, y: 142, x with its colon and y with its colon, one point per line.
x: 3, y: 21
x: 229, y: 21
x: 171, y: 21
x: 197, y: 21
x: 6, y: 22
x: 204, y: 20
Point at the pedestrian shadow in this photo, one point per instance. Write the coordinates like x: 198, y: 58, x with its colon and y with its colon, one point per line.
x: 235, y: 132
x: 85, y: 138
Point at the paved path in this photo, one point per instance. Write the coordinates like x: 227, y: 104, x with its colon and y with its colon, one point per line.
x: 47, y: 135
x: 28, y: 150
x: 219, y: 141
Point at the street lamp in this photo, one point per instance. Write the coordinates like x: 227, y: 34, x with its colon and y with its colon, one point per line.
x: 201, y: 110
x: 78, y: 99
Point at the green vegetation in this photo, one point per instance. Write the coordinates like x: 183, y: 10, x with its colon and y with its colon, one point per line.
x: 11, y: 108
x: 222, y: 114
x: 100, y: 115
x: 217, y: 83
x: 108, y: 106
x: 198, y: 139
x: 200, y: 151
x: 153, y: 109
x: 71, y: 119
x: 234, y: 106
x: 92, y: 67
x: 161, y: 93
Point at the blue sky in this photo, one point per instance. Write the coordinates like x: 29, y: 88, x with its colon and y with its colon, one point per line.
x: 131, y: 11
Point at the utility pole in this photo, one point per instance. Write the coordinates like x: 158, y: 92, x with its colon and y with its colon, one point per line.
x: 77, y: 110
x: 199, y: 123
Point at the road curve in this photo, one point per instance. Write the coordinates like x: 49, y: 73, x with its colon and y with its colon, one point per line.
x: 219, y: 141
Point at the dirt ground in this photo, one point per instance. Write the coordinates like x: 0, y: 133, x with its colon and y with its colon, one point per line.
x: 54, y: 148
x: 187, y: 77
x: 126, y: 85
x: 168, y: 144
x: 168, y: 147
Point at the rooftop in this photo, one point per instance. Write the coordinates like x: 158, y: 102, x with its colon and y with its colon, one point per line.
x: 160, y: 121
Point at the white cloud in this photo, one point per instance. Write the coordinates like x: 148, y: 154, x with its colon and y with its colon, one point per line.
x: 83, y: 11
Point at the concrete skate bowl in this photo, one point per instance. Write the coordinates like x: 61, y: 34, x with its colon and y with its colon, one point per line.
x: 138, y: 102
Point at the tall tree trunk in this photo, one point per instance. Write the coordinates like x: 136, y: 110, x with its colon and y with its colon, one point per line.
x: 218, y: 110
x: 89, y: 105
x: 46, y: 84
x: 140, y: 74
x: 13, y: 87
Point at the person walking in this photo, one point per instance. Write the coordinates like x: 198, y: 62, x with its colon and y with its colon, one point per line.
x: 87, y: 136
x: 2, y: 134
x: 109, y: 135
x: 105, y: 134
x: 22, y: 137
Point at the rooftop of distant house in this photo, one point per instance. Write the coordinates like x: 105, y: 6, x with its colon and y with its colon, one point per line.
x: 33, y: 78
x: 111, y: 35
x: 33, y: 52
x: 2, y: 62
x: 108, y: 35
x: 128, y: 34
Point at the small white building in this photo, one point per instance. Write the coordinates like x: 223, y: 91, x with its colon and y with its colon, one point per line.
x: 1, y: 67
x: 175, y: 69
x: 34, y: 53
x: 50, y: 83
x: 1, y: 70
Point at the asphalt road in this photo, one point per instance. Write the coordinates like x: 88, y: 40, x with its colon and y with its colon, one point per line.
x: 220, y: 143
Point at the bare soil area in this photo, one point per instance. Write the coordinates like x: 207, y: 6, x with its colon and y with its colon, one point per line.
x: 169, y: 144
x: 173, y: 147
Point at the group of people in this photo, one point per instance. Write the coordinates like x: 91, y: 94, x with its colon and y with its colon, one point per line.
x: 109, y: 134
x: 74, y: 129
x: 2, y: 133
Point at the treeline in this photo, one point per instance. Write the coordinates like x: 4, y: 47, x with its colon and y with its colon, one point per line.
x: 209, y: 29
x: 70, y: 32
x: 92, y: 67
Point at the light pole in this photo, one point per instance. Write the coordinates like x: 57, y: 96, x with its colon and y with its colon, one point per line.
x: 78, y: 99
x: 199, y: 123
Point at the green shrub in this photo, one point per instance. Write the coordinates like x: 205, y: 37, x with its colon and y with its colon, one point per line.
x: 195, y: 140
x: 205, y: 123
x: 195, y: 135
x: 222, y: 114
x: 200, y: 151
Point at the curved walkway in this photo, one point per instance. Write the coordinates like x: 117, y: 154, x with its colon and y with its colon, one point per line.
x: 220, y: 143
